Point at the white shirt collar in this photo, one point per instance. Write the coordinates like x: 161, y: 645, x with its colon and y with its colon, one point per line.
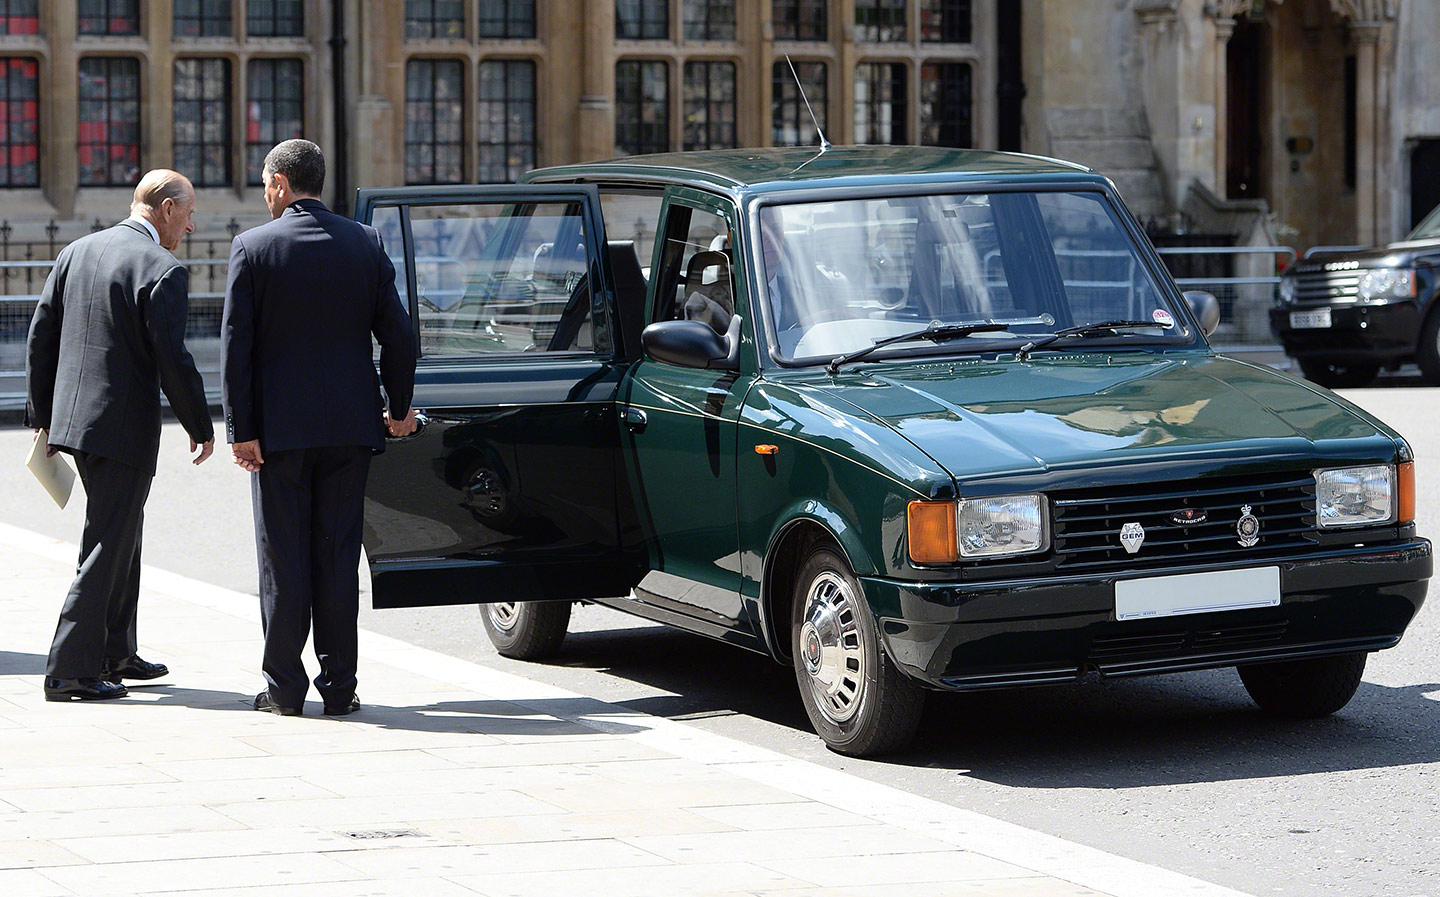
x: 154, y: 234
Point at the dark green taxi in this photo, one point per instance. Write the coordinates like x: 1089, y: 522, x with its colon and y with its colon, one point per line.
x: 902, y: 418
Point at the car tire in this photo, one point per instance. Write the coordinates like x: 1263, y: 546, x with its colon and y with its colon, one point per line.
x: 1427, y: 354
x: 1304, y: 689
x: 1339, y: 376
x: 857, y: 699
x: 526, y: 630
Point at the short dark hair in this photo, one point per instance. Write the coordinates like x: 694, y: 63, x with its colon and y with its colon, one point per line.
x: 301, y: 162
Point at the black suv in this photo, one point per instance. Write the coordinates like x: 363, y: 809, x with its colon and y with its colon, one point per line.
x: 1345, y: 315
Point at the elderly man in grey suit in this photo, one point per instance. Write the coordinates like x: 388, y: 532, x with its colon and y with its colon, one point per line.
x: 107, y: 336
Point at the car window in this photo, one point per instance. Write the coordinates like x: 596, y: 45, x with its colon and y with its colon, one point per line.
x: 633, y: 218
x: 386, y: 220
x: 841, y: 275
x: 699, y: 285
x: 501, y: 278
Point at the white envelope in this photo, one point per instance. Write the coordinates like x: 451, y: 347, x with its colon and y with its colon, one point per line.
x: 54, y: 473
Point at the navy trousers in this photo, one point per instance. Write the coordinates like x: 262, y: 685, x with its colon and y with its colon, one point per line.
x: 309, y: 511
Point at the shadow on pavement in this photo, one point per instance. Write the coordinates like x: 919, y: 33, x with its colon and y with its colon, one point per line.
x: 1125, y: 733
x: 483, y: 717
x: 15, y: 663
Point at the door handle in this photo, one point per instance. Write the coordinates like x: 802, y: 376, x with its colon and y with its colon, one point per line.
x: 635, y: 420
x: 421, y: 422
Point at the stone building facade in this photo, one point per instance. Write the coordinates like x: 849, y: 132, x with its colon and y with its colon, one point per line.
x: 1315, y: 121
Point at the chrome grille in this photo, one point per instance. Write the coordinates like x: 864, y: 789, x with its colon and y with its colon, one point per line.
x: 1087, y: 522
x: 1325, y: 287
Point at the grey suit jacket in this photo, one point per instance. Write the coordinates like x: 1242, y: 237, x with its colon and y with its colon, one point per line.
x: 107, y: 336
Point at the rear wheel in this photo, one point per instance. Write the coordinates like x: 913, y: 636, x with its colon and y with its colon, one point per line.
x: 1339, y: 376
x: 1304, y: 689
x: 526, y: 630
x: 857, y: 700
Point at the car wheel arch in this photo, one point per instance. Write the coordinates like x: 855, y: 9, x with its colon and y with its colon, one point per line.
x: 788, y: 547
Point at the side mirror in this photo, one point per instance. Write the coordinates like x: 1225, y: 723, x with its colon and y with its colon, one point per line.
x: 691, y: 344
x: 1206, y: 309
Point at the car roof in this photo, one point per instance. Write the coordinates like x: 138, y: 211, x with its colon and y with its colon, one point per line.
x: 785, y: 168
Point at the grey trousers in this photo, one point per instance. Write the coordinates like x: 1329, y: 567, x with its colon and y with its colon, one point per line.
x: 97, y: 622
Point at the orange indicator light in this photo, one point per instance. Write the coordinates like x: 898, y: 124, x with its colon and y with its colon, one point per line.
x: 1406, y: 490
x: 766, y: 449
x: 931, y: 529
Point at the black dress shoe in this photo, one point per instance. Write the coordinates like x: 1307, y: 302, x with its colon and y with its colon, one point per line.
x: 90, y: 688
x: 132, y: 667
x: 263, y: 702
x: 343, y: 709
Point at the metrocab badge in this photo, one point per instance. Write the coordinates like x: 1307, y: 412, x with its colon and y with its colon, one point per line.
x: 1132, y: 536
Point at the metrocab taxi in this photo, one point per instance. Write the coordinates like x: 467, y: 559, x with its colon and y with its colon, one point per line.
x: 902, y: 418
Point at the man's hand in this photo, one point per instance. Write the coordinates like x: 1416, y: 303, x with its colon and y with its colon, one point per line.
x: 205, y: 450
x: 398, y: 428
x: 247, y: 455
x: 44, y: 434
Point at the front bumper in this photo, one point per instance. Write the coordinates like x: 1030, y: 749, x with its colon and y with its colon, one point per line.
x: 1357, y: 333
x: 1043, y: 631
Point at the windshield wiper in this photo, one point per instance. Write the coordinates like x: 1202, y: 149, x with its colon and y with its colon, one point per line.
x: 1083, y: 330
x: 937, y: 333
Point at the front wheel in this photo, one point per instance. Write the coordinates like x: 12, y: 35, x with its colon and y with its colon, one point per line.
x: 856, y: 698
x: 526, y: 630
x: 1304, y: 689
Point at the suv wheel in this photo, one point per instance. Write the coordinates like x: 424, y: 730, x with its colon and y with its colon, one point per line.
x: 857, y: 700
x: 526, y: 630
x: 1339, y: 376
x: 1304, y: 689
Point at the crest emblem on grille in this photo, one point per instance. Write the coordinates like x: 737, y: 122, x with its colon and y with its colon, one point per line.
x: 1188, y: 517
x: 1132, y: 536
x: 1247, y: 528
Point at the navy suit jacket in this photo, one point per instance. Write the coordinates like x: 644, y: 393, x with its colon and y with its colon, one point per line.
x: 306, y: 292
x: 108, y: 334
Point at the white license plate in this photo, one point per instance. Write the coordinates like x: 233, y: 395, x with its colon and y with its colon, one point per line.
x: 1310, y: 320
x: 1196, y: 593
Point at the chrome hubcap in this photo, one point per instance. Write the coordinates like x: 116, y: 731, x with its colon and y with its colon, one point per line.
x: 503, y: 614
x: 831, y: 647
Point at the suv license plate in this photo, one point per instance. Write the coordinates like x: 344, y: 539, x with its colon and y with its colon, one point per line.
x: 1310, y: 320
x: 1196, y: 593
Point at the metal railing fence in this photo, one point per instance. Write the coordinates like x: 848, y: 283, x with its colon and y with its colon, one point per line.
x: 1243, y: 279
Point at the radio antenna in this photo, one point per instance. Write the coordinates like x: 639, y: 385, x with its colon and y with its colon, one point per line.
x: 824, y: 144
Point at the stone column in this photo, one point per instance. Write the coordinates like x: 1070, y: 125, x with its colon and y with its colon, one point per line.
x: 597, y: 98
x: 378, y: 126
x: 59, y: 117
x: 157, y: 81
x: 844, y: 124
x: 1224, y: 30
x: 1367, y: 36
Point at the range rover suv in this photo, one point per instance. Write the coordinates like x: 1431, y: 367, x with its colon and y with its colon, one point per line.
x: 1344, y: 316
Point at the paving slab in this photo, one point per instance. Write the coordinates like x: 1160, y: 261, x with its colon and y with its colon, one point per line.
x: 454, y: 779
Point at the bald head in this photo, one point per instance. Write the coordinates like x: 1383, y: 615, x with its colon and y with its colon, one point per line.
x: 166, y: 199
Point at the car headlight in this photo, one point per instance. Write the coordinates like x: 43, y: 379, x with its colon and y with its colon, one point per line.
x: 1355, y: 496
x: 1287, y: 290
x: 1387, y: 283
x: 1002, y: 525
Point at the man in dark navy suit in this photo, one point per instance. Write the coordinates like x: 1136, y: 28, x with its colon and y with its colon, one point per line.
x: 108, y: 334
x: 304, y: 413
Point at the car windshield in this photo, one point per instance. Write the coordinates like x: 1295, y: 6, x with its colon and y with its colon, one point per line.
x: 1429, y: 228
x: 840, y: 276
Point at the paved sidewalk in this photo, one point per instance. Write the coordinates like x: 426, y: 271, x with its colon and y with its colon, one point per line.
x: 455, y: 779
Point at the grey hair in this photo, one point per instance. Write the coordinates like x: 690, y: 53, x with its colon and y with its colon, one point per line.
x: 157, y: 186
x: 301, y: 162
